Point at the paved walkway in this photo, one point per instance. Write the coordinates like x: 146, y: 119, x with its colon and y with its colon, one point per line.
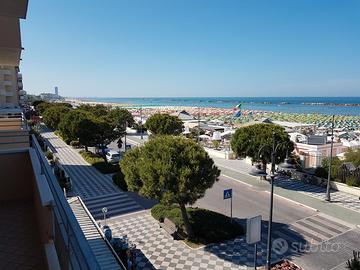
x: 96, y: 189
x: 160, y: 251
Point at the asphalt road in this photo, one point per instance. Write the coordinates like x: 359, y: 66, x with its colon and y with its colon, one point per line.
x: 248, y: 202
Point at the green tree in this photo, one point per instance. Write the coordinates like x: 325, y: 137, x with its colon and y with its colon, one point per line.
x: 53, y: 114
x: 40, y: 107
x: 37, y: 102
x: 353, y: 156
x: 335, y: 165
x: 164, y: 124
x: 69, y: 124
x: 171, y: 169
x: 120, y: 116
x: 106, y: 133
x: 247, y: 142
x: 97, y: 110
x: 87, y: 132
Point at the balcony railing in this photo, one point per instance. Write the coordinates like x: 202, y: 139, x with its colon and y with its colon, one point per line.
x: 71, y: 245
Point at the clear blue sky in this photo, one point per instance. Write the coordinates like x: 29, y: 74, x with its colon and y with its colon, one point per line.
x: 154, y: 48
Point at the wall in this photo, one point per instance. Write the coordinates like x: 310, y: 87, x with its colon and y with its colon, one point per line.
x: 16, y: 177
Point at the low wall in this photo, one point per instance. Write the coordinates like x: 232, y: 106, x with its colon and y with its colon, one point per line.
x: 345, y: 188
x: 318, y: 181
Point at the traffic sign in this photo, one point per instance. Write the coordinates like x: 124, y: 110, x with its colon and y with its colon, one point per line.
x: 227, y: 193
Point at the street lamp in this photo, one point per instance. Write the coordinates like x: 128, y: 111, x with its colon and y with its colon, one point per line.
x: 258, y: 171
x: 141, y: 124
x: 125, y: 136
x: 328, y: 198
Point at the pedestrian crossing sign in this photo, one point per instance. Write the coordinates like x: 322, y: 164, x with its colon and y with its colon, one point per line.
x: 227, y: 193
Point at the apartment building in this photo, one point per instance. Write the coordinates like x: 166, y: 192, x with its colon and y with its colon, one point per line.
x: 38, y: 227
x: 11, y: 85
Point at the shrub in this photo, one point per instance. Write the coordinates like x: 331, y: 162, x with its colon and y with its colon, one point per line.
x: 321, y: 172
x: 99, y: 163
x: 353, y: 181
x: 119, y: 180
x: 75, y: 144
x: 218, y: 227
x: 49, y: 155
x: 354, y: 263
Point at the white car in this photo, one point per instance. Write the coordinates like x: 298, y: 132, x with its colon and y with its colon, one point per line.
x: 112, y: 157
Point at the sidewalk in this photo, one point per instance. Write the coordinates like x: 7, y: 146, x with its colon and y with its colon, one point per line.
x: 343, y: 206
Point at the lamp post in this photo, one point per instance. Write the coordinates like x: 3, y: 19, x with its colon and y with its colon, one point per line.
x: 198, y: 137
x: 258, y: 171
x: 125, y: 136
x: 141, y: 125
x: 328, y: 198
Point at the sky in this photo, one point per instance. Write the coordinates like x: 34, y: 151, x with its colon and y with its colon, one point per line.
x: 192, y: 48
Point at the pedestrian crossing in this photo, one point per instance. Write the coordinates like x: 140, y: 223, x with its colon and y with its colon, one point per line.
x: 310, y: 232
x: 116, y: 203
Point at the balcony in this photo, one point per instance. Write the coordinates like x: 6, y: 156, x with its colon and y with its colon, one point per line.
x: 7, y: 83
x: 39, y: 230
x: 22, y: 92
x: 19, y: 77
x: 20, y: 85
x: 5, y: 71
x: 9, y: 93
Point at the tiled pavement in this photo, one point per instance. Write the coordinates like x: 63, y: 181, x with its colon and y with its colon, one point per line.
x: 97, y: 190
x: 159, y: 251
x: 343, y: 199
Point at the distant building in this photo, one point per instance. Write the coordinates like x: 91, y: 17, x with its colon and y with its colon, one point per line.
x: 56, y: 91
x: 49, y: 96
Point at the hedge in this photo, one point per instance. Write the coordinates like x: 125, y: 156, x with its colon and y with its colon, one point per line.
x: 99, y: 163
x: 208, y: 226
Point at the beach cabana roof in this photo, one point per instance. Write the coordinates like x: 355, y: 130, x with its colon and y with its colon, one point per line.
x: 293, y: 124
x: 183, y: 115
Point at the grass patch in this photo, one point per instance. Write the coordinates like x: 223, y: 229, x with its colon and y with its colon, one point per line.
x: 99, y: 163
x: 208, y: 226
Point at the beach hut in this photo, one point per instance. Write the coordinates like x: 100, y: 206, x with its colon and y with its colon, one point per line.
x: 216, y: 136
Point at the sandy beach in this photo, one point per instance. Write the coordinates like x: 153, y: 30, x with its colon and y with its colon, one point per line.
x: 227, y: 115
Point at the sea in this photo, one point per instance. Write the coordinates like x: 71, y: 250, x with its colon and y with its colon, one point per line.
x: 304, y: 105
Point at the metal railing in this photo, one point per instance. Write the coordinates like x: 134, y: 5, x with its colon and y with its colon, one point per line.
x: 101, y: 233
x: 71, y: 245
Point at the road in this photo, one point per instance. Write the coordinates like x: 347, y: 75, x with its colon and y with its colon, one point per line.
x: 305, y: 231
x: 248, y: 202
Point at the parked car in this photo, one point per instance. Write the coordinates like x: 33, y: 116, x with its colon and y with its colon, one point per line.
x: 99, y: 151
x: 112, y: 157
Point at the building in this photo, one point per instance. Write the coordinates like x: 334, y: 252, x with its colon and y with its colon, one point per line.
x: 11, y: 86
x: 38, y: 229
x: 314, y: 148
x: 56, y: 91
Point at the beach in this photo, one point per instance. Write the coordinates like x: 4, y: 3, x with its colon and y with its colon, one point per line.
x: 226, y: 115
